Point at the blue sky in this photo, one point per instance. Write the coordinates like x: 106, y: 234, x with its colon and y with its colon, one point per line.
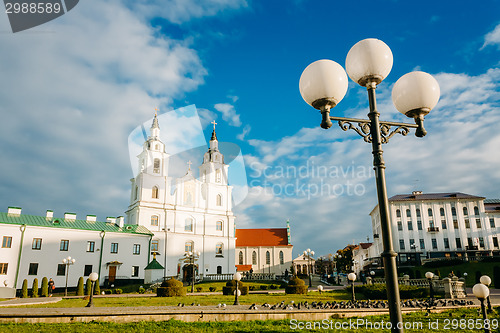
x: 73, y: 90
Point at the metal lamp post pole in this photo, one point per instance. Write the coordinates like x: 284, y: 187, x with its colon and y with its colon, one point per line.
x: 192, y: 275
x: 67, y: 272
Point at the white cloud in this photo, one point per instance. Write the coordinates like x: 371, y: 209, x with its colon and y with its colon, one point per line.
x: 492, y: 37
x: 229, y: 114
x: 245, y: 132
x: 206, y: 117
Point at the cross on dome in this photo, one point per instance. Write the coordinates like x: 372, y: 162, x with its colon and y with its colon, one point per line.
x: 214, y: 123
x: 189, y: 165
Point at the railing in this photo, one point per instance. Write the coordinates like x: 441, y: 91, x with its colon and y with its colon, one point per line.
x: 259, y: 276
x: 433, y: 229
x: 451, y: 288
x: 218, y: 277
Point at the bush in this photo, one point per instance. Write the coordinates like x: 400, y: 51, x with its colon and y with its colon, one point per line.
x: 24, y: 290
x: 199, y: 289
x: 491, y: 259
x: 141, y: 290
x: 45, y: 287
x: 107, y: 291
x: 117, y: 291
x: 79, y: 287
x: 273, y: 286
x: 378, y: 291
x: 496, y: 277
x: 443, y: 262
x: 171, y: 287
x: 88, y: 286
x: 296, y: 286
x: 263, y: 287
x: 212, y: 289
x: 478, y: 276
x: 231, y: 287
x: 34, y: 290
x: 97, y: 288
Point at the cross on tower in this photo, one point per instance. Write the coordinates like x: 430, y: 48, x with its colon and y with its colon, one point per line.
x: 156, y: 111
x: 189, y: 165
x: 214, y: 123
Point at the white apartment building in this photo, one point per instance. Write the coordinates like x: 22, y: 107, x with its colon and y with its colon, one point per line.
x: 435, y: 225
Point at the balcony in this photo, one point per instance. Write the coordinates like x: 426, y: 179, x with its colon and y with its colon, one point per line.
x: 433, y: 229
x: 471, y: 248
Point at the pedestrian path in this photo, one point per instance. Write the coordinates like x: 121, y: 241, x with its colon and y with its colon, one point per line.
x: 30, y: 301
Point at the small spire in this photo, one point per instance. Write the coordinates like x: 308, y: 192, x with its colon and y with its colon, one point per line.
x: 189, y: 165
x: 155, y: 120
x: 214, y: 137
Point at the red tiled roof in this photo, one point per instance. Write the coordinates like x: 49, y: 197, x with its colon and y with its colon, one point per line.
x: 243, y: 268
x: 364, y: 246
x: 262, y: 237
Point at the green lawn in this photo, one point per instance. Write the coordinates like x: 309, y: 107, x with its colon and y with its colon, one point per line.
x: 458, y: 320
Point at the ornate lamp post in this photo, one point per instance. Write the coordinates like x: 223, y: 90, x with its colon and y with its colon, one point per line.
x: 482, y: 292
x: 429, y: 276
x: 93, y: 278
x: 192, y: 256
x: 67, y: 261
x: 352, y: 278
x: 486, y: 280
x: 309, y: 253
x: 323, y: 84
x: 237, y: 292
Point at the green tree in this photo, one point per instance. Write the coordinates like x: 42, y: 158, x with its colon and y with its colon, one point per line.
x: 88, y: 286
x: 24, y: 291
x: 34, y: 289
x: 45, y: 287
x: 97, y: 289
x: 79, y: 287
x: 496, y: 277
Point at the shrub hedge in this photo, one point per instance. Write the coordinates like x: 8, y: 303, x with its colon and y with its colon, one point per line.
x: 296, y: 286
x: 378, y: 291
x: 231, y: 287
x: 171, y: 288
x: 443, y: 262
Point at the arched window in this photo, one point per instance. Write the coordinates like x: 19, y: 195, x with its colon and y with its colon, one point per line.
x: 136, y: 192
x: 240, y: 258
x: 429, y: 212
x: 466, y: 213
x: 408, y: 213
x: 476, y: 211
x: 282, y: 258
x: 254, y: 258
x: 218, y: 226
x: 154, y: 193
x: 441, y: 211
x: 218, y: 249
x: 156, y: 165
x: 398, y: 213
x: 188, y: 247
x: 157, y: 147
x: 418, y: 213
x: 218, y: 176
x: 219, y: 200
x: 154, y: 220
x: 188, y: 224
x: 453, y: 211
x: 268, y: 258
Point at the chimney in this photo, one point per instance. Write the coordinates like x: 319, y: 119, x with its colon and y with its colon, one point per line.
x: 91, y: 218
x: 50, y: 214
x: 69, y: 216
x: 14, y: 211
x: 111, y: 219
x: 121, y: 221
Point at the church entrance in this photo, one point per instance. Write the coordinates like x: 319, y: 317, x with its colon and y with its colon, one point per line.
x: 187, y: 272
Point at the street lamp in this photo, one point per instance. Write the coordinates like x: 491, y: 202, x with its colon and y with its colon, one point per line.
x: 67, y: 261
x: 336, y: 267
x: 429, y: 276
x: 486, y: 280
x: 323, y: 84
x: 93, y: 278
x: 309, y: 253
x: 352, y: 278
x: 481, y: 292
x: 237, y: 277
x: 192, y: 256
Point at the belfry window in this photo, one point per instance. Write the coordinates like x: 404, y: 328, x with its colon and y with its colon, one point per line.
x: 218, y: 176
x: 156, y: 165
x: 154, y: 194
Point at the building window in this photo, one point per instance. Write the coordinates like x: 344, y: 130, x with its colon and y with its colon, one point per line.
x: 90, y: 246
x: 443, y: 224
x: 429, y: 212
x: 7, y: 242
x: 408, y: 213
x: 401, y: 244
x: 481, y: 242
x: 412, y: 244
x: 455, y: 224
x: 268, y: 258
x: 135, y: 271
x: 33, y: 269
x: 458, y: 243
x: 410, y: 225
x: 446, y: 243
x: 156, y: 165
x: 492, y: 222
x: 478, y: 223
x: 154, y: 220
x: 467, y: 223
x: 3, y: 268
x: 434, y: 243
x: 37, y: 244
x: 219, y: 269
x: 422, y: 244
x: 254, y: 258
x: 64, y: 246
x: 398, y: 213
x: 154, y: 245
x: 240, y: 258
x: 219, y: 200
x: 441, y: 211
x: 61, y: 269
x: 419, y: 225
x: 136, y: 249
x: 218, y: 176
x: 453, y: 211
x: 154, y: 193
x: 218, y: 249
x: 469, y: 242
x: 114, y: 247
x: 418, y: 213
x: 476, y: 211
x: 87, y: 270
x: 400, y: 226
x: 188, y: 247
x: 188, y: 224
x: 495, y: 242
x: 282, y: 258
x: 218, y: 226
x: 466, y: 213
